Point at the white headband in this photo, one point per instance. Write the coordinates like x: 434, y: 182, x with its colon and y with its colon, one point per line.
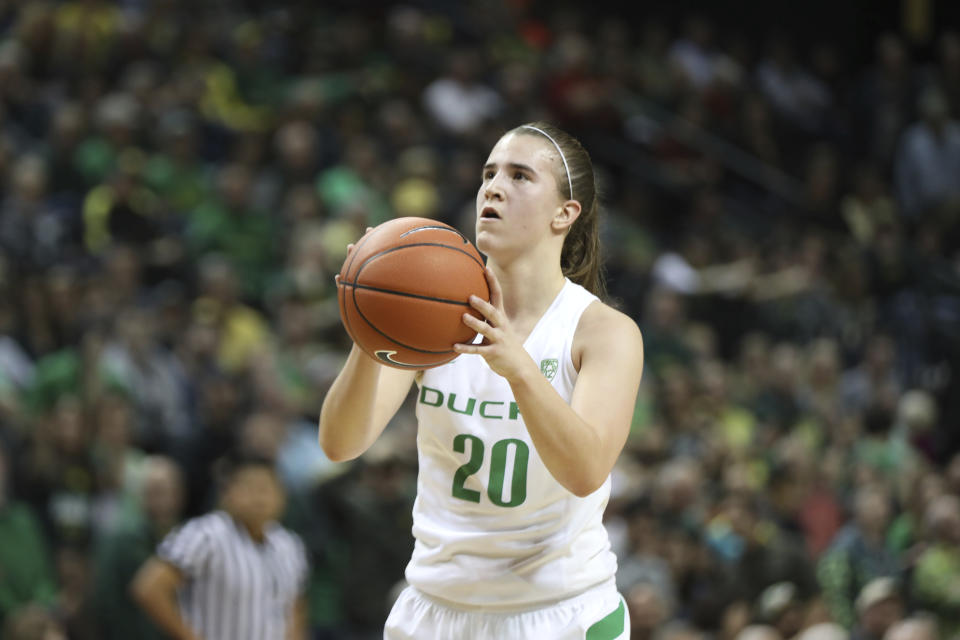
x: 559, y: 150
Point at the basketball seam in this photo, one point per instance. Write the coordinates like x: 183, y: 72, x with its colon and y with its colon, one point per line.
x: 406, y: 295
x: 343, y: 308
x: 353, y: 254
x: 360, y: 243
x: 346, y: 318
x: 393, y: 340
x: 415, y: 244
x: 356, y: 286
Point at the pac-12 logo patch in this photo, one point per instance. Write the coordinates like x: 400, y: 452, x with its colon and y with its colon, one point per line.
x: 548, y: 367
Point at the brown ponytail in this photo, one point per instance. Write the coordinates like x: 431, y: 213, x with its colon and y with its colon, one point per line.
x: 580, y: 258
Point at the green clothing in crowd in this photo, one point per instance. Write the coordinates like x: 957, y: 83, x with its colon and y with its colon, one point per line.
x: 182, y: 186
x: 847, y: 566
x: 26, y: 574
x: 247, y: 238
x: 936, y: 586
x: 118, y: 557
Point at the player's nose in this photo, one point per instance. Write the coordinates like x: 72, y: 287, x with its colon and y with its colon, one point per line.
x: 493, y: 191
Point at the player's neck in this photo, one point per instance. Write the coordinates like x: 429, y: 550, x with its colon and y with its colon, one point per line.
x: 257, y: 533
x: 256, y: 530
x: 528, y: 288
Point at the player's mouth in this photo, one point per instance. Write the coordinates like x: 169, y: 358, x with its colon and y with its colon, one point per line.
x: 489, y: 213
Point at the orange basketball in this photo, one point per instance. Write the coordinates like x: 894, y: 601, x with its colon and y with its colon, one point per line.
x: 403, y: 291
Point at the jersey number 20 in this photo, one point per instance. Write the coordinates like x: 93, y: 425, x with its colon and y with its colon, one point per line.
x: 498, y: 470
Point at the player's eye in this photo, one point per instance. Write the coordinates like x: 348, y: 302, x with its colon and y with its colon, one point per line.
x: 488, y: 175
x: 519, y: 175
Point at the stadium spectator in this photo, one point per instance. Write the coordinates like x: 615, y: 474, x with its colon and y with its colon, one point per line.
x: 123, y: 550
x: 936, y: 575
x: 913, y: 628
x: 25, y: 561
x: 879, y: 606
x: 928, y: 163
x: 33, y: 622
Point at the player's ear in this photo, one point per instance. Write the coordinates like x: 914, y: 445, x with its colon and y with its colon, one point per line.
x: 566, y: 215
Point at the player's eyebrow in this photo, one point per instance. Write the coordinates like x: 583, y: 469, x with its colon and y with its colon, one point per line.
x: 511, y: 165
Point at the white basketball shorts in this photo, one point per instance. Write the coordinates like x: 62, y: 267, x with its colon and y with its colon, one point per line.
x: 598, y: 614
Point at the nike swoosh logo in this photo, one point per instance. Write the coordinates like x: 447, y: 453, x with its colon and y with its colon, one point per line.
x: 387, y: 356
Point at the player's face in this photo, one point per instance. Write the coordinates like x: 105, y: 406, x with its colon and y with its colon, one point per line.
x: 518, y: 195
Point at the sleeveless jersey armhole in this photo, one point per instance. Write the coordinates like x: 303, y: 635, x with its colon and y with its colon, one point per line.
x: 573, y: 341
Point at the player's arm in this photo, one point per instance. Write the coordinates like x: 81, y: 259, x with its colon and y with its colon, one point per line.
x: 297, y: 624
x: 359, y: 404
x: 579, y: 443
x: 154, y: 588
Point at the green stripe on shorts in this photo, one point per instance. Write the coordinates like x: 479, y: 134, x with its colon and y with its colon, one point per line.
x: 609, y: 628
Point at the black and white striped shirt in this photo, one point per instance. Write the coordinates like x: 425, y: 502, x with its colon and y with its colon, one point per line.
x: 236, y: 588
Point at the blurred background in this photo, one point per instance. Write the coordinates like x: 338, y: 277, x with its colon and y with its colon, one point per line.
x: 781, y: 193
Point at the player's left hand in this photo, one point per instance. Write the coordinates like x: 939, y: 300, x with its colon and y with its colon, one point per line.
x: 502, y: 348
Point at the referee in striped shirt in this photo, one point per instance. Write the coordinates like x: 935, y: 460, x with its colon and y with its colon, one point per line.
x: 234, y: 573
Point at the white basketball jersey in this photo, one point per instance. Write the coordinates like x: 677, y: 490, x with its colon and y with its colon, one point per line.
x: 493, y: 528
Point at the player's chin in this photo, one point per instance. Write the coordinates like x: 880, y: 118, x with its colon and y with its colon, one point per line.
x: 485, y: 243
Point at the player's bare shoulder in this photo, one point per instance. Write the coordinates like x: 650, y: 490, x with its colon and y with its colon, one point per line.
x: 606, y: 332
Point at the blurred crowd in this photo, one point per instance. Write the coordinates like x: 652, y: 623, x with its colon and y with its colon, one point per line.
x: 179, y: 184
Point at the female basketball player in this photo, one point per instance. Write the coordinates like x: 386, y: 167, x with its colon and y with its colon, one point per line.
x: 518, y: 435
